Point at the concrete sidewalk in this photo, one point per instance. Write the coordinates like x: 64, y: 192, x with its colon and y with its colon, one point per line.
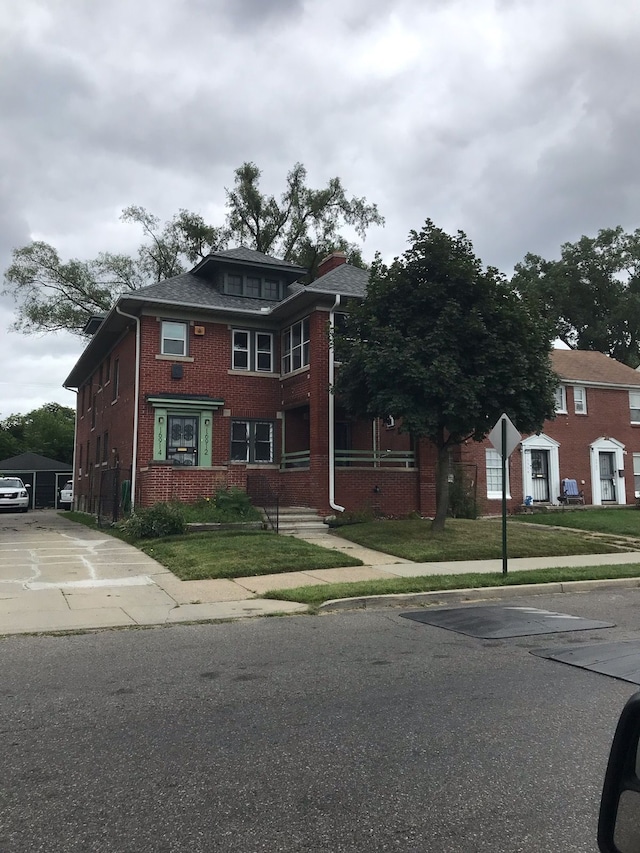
x: 60, y: 576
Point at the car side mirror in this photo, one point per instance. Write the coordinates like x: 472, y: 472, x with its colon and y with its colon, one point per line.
x: 27, y: 485
x: 619, y: 822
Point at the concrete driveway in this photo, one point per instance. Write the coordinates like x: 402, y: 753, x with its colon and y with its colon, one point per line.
x: 56, y: 575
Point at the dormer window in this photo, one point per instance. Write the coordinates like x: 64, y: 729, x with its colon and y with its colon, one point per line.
x: 234, y: 285
x: 252, y: 286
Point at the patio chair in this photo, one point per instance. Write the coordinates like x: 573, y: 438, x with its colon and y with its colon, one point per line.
x: 570, y: 493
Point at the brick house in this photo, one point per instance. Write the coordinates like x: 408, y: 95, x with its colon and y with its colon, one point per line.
x: 220, y: 377
x: 594, y: 439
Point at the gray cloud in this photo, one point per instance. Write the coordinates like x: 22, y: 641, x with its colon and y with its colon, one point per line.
x: 516, y: 122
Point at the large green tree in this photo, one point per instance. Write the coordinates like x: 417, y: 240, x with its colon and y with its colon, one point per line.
x: 591, y: 294
x: 48, y: 430
x: 301, y: 226
x: 448, y: 347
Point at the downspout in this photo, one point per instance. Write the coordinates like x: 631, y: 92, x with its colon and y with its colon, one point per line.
x: 332, y: 409
x: 75, y: 491
x: 134, y: 455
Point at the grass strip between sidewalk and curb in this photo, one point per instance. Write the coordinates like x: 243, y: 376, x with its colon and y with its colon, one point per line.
x: 316, y: 595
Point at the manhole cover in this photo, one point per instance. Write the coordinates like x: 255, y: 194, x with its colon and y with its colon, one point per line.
x: 618, y: 660
x: 493, y: 623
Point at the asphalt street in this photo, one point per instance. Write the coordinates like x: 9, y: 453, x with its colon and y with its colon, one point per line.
x: 358, y: 731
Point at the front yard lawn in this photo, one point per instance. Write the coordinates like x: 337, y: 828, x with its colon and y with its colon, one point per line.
x: 464, y: 539
x: 622, y: 522
x: 240, y: 554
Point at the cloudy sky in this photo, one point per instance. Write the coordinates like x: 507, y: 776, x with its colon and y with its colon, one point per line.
x: 515, y: 121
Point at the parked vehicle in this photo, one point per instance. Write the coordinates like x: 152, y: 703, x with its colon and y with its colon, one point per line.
x: 14, y: 494
x: 619, y: 823
x: 66, y: 495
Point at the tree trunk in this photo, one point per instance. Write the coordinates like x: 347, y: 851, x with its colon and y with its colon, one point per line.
x: 442, y: 490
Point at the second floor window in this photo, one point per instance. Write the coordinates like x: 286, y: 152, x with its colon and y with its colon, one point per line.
x: 115, y: 389
x: 580, y: 400
x: 634, y: 406
x: 174, y: 338
x: 252, y: 350
x: 295, y: 346
x: 561, y: 399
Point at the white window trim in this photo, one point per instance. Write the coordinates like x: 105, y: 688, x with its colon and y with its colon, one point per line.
x: 164, y: 338
x: 252, y: 351
x: 634, y: 398
x: 493, y: 495
x: 235, y: 348
x: 257, y: 351
x: 636, y: 473
x: 561, y: 409
x: 580, y: 400
x: 249, y: 458
x: 288, y: 349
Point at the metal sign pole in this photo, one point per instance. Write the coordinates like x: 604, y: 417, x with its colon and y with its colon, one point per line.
x: 504, y: 496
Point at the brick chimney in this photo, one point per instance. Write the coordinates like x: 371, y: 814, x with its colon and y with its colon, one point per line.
x: 335, y: 259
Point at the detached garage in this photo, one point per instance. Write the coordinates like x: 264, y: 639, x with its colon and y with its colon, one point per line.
x: 45, y: 476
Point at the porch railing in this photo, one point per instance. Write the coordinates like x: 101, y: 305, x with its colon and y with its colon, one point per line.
x: 299, y: 459
x: 375, y: 458
x: 355, y: 458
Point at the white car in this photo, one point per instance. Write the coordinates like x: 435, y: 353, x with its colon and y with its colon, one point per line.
x: 13, y: 494
x: 66, y: 495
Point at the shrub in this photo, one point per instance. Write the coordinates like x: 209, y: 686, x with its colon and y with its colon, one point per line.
x: 346, y: 518
x: 234, y: 505
x: 462, y: 494
x: 154, y: 522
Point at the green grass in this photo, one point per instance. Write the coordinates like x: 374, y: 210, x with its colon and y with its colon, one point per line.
x: 315, y: 595
x: 239, y: 554
x: 464, y: 539
x: 206, y: 511
x: 621, y: 522
x: 90, y: 521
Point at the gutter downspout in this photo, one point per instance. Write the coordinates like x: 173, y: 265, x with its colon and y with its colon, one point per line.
x: 73, y: 461
x: 332, y: 409
x: 134, y: 454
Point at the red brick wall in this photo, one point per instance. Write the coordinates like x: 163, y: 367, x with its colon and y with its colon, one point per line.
x: 385, y: 491
x: 112, y: 416
x: 607, y: 416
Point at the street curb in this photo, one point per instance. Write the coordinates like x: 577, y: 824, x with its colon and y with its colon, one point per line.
x: 461, y: 596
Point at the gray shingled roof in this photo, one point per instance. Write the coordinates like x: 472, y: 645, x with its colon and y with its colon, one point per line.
x: 191, y: 290
x: 345, y: 279
x: 33, y: 462
x: 241, y: 253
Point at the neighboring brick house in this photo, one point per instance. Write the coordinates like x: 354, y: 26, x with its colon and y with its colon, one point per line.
x: 221, y: 377
x: 594, y: 439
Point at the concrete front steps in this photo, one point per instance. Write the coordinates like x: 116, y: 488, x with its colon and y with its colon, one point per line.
x: 300, y: 519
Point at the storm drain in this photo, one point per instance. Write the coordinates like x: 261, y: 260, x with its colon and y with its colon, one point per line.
x: 495, y: 623
x: 618, y: 660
